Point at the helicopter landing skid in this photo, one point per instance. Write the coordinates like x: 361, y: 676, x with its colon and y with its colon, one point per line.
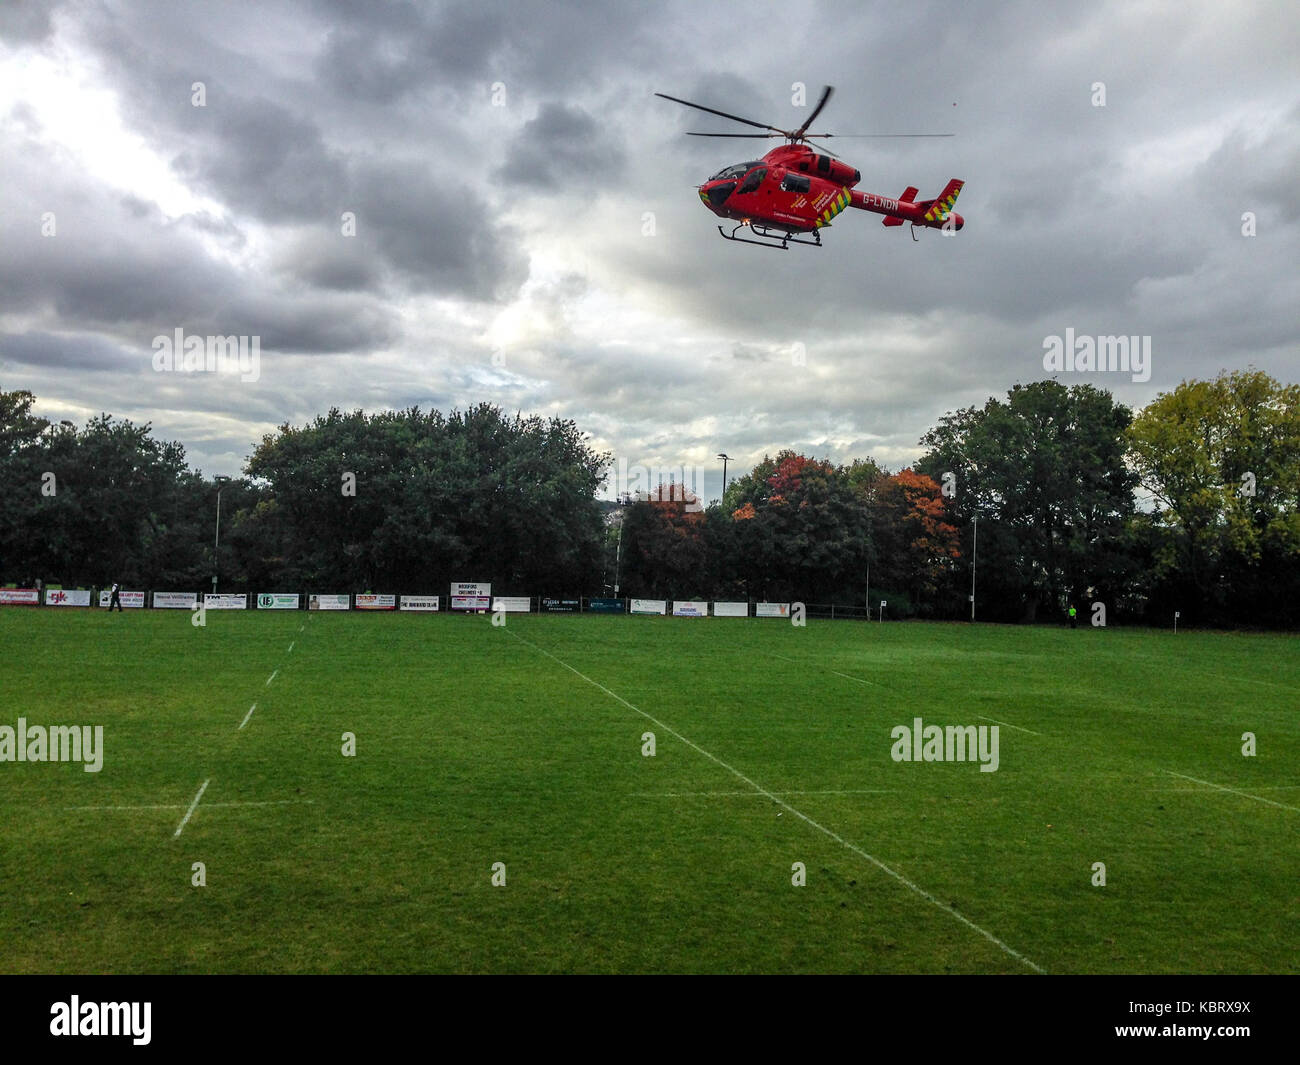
x: 770, y: 238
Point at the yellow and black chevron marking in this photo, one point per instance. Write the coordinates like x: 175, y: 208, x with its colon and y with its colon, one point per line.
x: 836, y: 206
x: 940, y: 209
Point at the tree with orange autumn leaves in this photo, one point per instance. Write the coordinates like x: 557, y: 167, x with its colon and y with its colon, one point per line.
x: 799, y: 527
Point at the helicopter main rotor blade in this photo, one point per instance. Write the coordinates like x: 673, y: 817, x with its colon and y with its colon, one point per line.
x: 755, y: 136
x: 826, y: 95
x: 722, y: 114
x: 868, y: 136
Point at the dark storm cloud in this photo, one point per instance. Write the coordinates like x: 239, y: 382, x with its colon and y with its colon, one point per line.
x: 27, y: 22
x: 379, y: 53
x: 86, y: 351
x: 563, y: 148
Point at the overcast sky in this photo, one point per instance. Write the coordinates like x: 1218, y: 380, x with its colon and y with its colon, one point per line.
x: 527, y: 230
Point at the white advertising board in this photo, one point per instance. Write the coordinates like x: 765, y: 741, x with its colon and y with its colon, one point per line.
x: 649, y: 606
x: 419, y: 602
x: 175, y: 600
x: 329, y: 602
x: 471, y: 602
x: 376, y: 602
x: 731, y: 610
x: 685, y: 608
x: 129, y: 600
x: 771, y: 610
x: 67, y: 597
x: 225, y: 601
x: 472, y: 589
x: 513, y: 604
x: 278, y: 600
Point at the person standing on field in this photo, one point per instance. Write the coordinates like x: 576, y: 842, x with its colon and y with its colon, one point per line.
x: 115, y: 600
x: 1074, y: 617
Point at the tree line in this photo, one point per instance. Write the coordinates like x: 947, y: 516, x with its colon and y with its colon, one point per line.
x: 1052, y: 495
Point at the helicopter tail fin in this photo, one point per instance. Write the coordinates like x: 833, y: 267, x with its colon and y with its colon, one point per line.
x: 940, y: 207
x: 909, y: 194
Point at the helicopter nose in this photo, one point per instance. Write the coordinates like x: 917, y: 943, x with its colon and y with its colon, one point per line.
x: 715, y: 194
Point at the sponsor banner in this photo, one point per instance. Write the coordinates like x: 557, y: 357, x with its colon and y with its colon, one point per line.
x: 513, y: 604
x: 686, y: 609
x: 649, y: 606
x: 561, y: 606
x: 731, y: 610
x: 175, y: 600
x: 419, y: 602
x: 329, y: 602
x: 278, y: 600
x: 605, y: 606
x: 67, y: 597
x: 771, y: 610
x: 225, y: 601
x: 19, y: 597
x: 481, y: 591
x: 376, y: 602
x: 129, y: 600
x: 471, y: 602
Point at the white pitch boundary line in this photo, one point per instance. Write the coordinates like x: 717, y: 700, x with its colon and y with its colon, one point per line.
x: 859, y: 680
x: 1008, y: 725
x: 752, y: 794
x: 248, y: 715
x: 1260, y: 787
x: 211, y: 805
x: 1234, y: 791
x: 797, y: 813
x: 272, y: 677
x: 291, y: 643
x: 193, y: 806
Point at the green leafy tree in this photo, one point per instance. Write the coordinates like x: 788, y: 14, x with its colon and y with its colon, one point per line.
x: 1220, y: 461
x: 1044, y: 473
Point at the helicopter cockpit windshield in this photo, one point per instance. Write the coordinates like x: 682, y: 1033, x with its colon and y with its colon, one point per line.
x: 737, y: 171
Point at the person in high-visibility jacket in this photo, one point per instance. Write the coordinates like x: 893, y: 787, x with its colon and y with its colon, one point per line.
x: 1074, y: 617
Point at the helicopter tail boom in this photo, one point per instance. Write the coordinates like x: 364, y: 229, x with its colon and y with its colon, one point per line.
x: 932, y: 214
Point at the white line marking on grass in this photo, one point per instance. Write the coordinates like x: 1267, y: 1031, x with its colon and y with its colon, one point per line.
x: 291, y: 643
x: 190, y: 812
x: 271, y: 678
x: 752, y: 794
x: 859, y: 680
x: 211, y: 805
x: 301, y: 627
x: 797, y: 813
x: 1008, y: 724
x: 248, y: 715
x: 1234, y: 791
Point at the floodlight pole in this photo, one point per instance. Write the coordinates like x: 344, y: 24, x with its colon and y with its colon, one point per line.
x: 216, y: 542
x: 974, y: 542
x: 618, y: 555
x: 725, y: 459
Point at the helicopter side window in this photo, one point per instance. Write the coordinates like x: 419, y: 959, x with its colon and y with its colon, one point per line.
x: 737, y: 170
x: 752, y: 182
x: 795, y: 183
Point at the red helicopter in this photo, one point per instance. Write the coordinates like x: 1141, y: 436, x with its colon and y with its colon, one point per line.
x: 795, y: 190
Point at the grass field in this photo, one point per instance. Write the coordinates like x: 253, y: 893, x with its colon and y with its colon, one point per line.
x: 523, y: 745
